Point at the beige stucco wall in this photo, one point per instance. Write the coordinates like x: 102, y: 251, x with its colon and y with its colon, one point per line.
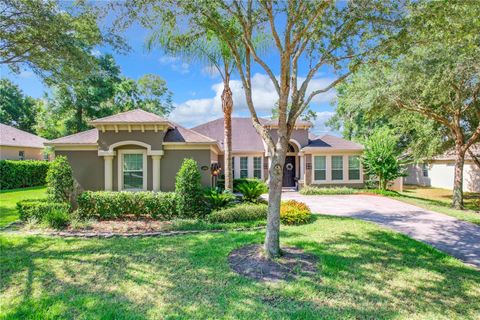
x: 11, y: 153
x: 107, y: 138
x: 441, y: 175
x: 88, y: 168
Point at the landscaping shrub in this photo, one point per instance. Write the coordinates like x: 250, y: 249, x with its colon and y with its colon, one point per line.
x: 57, y: 218
x: 252, y: 190
x: 237, y: 182
x: 189, y: 190
x: 216, y: 199
x: 293, y: 212
x: 21, y: 174
x: 39, y: 208
x: 109, y: 204
x: 239, y: 213
x: 311, y: 190
x: 60, y: 180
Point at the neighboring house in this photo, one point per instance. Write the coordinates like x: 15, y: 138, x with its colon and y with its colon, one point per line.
x: 16, y: 144
x: 439, y: 172
x: 137, y: 150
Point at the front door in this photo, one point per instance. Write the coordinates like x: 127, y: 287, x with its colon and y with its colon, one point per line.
x: 289, y: 172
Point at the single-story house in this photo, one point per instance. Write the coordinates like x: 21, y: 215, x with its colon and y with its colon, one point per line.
x: 16, y: 144
x: 138, y: 150
x: 439, y: 171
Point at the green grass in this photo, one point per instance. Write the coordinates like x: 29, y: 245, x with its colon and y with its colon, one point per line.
x: 365, y: 272
x: 9, y: 199
x: 311, y: 190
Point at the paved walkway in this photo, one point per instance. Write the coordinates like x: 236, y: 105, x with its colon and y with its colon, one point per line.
x: 458, y: 238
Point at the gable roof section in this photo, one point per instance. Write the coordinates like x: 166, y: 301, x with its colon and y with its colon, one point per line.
x: 132, y: 116
x: 90, y: 137
x: 13, y: 137
x: 244, y: 136
x: 329, y: 142
x: 451, y: 153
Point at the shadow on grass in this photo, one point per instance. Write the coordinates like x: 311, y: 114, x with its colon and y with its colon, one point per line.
x: 189, y: 277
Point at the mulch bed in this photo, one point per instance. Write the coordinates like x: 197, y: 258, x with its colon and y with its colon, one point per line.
x: 124, y: 226
x: 251, y: 262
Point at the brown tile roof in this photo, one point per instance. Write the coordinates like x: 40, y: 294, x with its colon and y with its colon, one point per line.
x: 244, y: 136
x: 10, y: 136
x: 132, y: 116
x: 301, y: 123
x: 334, y: 143
x: 85, y: 137
x: 177, y: 134
x: 182, y: 134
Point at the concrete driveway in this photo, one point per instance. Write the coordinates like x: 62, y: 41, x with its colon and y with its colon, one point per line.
x: 457, y: 238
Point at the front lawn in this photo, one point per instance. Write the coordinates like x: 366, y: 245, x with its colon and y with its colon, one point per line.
x: 9, y: 199
x: 365, y: 272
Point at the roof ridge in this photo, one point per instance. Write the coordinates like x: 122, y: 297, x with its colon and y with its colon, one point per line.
x: 127, y: 112
x: 198, y: 133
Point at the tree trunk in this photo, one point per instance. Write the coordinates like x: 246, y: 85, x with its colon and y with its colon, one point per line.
x: 272, y: 237
x: 227, y: 107
x: 79, y: 119
x: 457, y: 198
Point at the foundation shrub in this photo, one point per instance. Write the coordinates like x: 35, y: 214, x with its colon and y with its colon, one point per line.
x: 43, y: 210
x: 294, y: 212
x: 22, y: 174
x: 239, y: 213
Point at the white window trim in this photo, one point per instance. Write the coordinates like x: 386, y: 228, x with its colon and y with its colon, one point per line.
x: 359, y: 168
x: 261, y: 166
x: 240, y: 167
x: 121, y: 152
x: 328, y: 161
x: 250, y: 167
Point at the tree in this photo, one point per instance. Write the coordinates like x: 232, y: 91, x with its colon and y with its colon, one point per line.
x: 16, y: 109
x: 60, y: 183
x: 435, y: 74
x: 381, y: 157
x: 44, y: 37
x: 358, y: 114
x: 306, y: 35
x: 188, y: 189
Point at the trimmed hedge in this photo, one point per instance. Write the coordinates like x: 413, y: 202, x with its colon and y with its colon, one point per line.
x: 294, y: 212
x: 111, y: 204
x: 237, y: 182
x: 239, y: 213
x: 21, y: 174
x: 312, y: 190
x: 39, y: 208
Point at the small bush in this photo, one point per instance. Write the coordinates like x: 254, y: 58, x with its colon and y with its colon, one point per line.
x: 239, y: 213
x: 39, y: 208
x: 237, y: 182
x: 252, y: 190
x: 387, y: 193
x: 60, y: 180
x: 109, y: 204
x: 311, y: 190
x: 189, y: 190
x: 294, y: 212
x: 21, y: 174
x: 215, y: 199
x: 57, y: 218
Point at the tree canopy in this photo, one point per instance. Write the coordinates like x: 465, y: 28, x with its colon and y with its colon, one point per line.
x: 16, y: 109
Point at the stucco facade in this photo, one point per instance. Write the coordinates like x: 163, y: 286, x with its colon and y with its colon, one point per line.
x: 15, y: 153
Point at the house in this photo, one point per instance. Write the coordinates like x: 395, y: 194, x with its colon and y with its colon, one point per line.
x: 439, y: 172
x: 16, y: 144
x: 137, y: 150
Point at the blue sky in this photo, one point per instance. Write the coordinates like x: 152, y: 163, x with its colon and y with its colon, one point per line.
x: 196, y: 88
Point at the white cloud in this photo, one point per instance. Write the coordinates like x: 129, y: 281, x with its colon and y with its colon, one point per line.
x: 96, y: 52
x: 196, y: 111
x: 26, y: 74
x: 319, y: 125
x: 210, y: 71
x: 175, y: 64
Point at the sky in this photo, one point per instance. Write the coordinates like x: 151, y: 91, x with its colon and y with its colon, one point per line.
x: 196, y: 87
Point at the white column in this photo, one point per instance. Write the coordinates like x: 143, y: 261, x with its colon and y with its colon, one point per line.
x: 108, y: 168
x: 156, y: 172
x: 302, y: 167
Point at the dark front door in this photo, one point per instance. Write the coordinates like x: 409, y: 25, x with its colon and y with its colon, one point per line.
x: 289, y: 172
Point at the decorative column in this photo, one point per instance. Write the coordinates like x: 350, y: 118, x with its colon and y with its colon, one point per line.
x: 156, y: 172
x: 108, y: 160
x: 302, y: 167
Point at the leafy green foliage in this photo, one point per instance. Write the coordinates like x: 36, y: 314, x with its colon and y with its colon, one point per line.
x: 52, y: 39
x: 21, y: 174
x: 39, y: 208
x: 381, y: 157
x: 294, y: 212
x: 218, y: 199
x: 16, y: 109
x: 251, y: 190
x: 60, y: 185
x: 189, y: 190
x: 239, y: 213
x: 57, y: 218
x: 109, y: 204
x: 312, y: 190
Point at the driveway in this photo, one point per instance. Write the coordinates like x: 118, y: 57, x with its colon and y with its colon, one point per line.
x: 457, y: 238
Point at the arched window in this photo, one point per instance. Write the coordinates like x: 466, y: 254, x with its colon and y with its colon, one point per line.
x: 291, y: 148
